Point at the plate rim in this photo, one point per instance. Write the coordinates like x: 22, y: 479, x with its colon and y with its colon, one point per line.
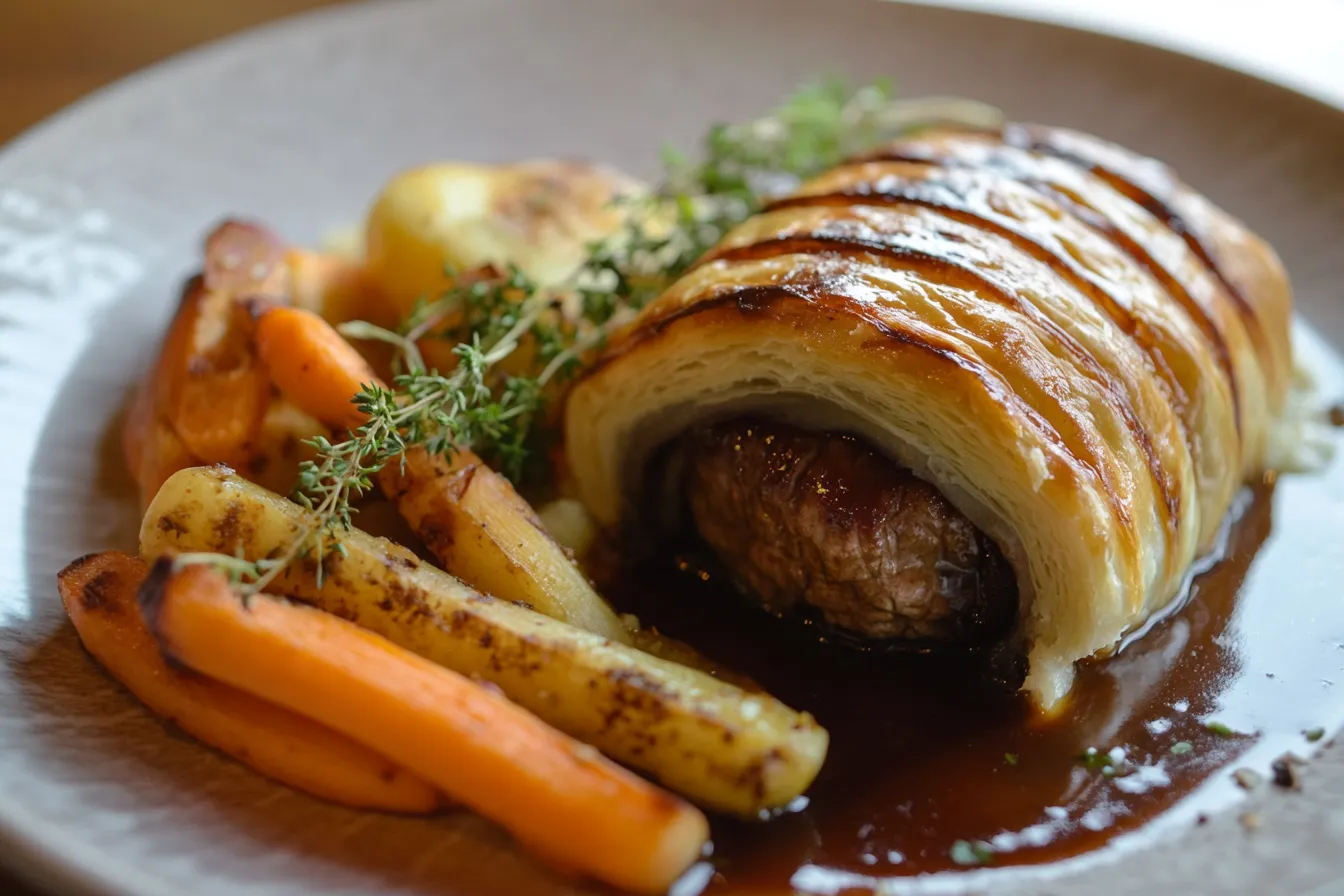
x: 34, y: 850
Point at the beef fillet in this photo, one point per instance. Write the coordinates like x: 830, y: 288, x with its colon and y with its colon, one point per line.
x: 821, y: 520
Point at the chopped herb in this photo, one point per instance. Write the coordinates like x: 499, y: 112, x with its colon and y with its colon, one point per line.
x: 1313, y: 734
x: 1220, y: 729
x: 1095, y: 760
x: 1181, y: 747
x: 972, y: 852
x: 1010, y: 758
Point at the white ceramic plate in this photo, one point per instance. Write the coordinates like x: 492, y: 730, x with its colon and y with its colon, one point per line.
x: 101, y: 212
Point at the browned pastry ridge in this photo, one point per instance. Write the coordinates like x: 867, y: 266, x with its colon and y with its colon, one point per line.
x: 1079, y: 353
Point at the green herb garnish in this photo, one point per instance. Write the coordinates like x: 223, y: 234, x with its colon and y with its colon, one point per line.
x: 1313, y: 734
x: 1095, y: 760
x: 1220, y: 729
x: 972, y: 852
x: 1010, y: 758
x: 1180, y: 748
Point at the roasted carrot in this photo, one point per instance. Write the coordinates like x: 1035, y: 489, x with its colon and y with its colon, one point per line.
x: 161, y: 454
x: 219, y: 415
x: 206, y: 382
x: 556, y: 795
x: 337, y: 288
x: 221, y: 389
x: 135, y: 425
x: 164, y: 377
x: 313, y: 365
x: 99, y: 593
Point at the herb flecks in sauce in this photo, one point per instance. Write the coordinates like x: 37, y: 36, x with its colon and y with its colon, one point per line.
x: 971, y: 852
x: 1221, y: 729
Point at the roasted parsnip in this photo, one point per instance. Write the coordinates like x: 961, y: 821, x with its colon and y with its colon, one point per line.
x: 726, y: 749
x: 478, y: 527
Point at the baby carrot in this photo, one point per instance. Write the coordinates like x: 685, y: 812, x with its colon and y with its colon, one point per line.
x: 556, y: 795
x: 312, y: 365
x: 99, y: 594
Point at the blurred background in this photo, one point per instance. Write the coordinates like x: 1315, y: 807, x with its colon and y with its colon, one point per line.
x: 52, y: 52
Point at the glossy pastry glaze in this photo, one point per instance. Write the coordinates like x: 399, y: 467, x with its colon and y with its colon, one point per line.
x: 1083, y: 355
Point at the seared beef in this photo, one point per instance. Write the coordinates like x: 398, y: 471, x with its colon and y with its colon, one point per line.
x: 817, y: 519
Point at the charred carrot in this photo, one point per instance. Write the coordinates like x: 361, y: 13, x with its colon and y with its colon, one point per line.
x: 206, y: 382
x: 556, y: 795
x: 99, y: 593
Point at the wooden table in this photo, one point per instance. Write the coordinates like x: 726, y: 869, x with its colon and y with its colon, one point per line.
x: 52, y: 52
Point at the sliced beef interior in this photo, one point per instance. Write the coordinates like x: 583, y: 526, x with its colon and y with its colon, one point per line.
x: 821, y: 523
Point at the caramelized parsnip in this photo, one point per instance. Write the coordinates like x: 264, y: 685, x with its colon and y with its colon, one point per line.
x: 481, y: 530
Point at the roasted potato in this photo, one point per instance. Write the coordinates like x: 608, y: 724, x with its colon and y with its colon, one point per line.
x: 727, y: 749
x: 537, y: 215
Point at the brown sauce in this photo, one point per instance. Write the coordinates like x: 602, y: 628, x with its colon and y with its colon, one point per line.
x: 925, y: 754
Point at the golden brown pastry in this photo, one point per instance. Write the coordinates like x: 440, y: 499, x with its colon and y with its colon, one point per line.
x: 1078, y: 352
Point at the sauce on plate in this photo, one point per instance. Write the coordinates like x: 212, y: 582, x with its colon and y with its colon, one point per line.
x: 933, y: 769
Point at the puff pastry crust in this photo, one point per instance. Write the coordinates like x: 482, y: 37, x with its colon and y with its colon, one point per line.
x: 1082, y: 353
